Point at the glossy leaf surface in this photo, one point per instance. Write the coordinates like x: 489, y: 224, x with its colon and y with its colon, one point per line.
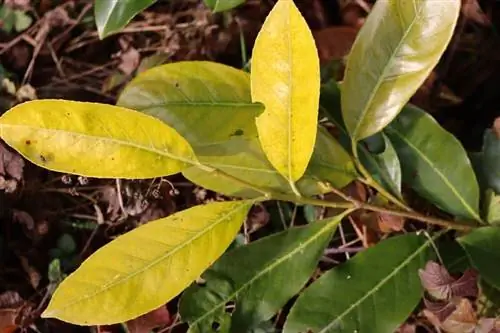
x: 146, y: 267
x: 382, y: 168
x: 434, y: 163
x: 373, y: 292
x: 257, y: 278
x: 95, y: 140
x: 483, y: 249
x: 244, y: 159
x: 285, y: 78
x: 491, y: 160
x: 206, y: 102
x: 492, y: 201
x: 395, y: 50
x: 112, y: 15
x: 222, y: 5
x: 384, y: 164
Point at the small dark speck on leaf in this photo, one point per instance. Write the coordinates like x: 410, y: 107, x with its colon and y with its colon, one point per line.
x: 43, y: 159
x: 215, y: 326
x: 177, y: 84
x: 28, y: 142
x: 238, y: 132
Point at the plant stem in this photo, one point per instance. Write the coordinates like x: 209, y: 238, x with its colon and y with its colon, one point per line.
x: 372, y: 182
x: 351, y: 204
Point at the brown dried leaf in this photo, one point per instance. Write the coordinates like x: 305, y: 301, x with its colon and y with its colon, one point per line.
x: 423, y: 96
x: 466, y: 285
x: 23, y: 218
x: 33, y: 274
x: 130, y: 58
x: 18, y: 4
x: 436, y: 280
x: 8, y: 320
x: 10, y: 299
x: 334, y: 43
x: 462, y: 320
x: 441, y: 310
x: 150, y: 321
x: 407, y: 328
x: 58, y: 17
x: 496, y: 127
x: 11, y: 164
x: 388, y: 223
x: 110, y: 196
x: 258, y: 218
x: 472, y: 11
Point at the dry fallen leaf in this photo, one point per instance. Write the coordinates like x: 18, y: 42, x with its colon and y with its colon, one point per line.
x: 258, y: 218
x: 334, y: 43
x: 150, y: 321
x: 129, y: 57
x: 472, y: 11
x: 462, y: 320
x: 441, y: 285
x: 11, y: 164
x: 18, y: 4
x: 8, y: 320
x: 496, y: 127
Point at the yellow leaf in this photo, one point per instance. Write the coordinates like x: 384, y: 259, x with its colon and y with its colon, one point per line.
x: 95, y: 140
x: 285, y: 78
x: 147, y: 267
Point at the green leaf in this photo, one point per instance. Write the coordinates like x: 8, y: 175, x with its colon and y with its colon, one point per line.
x: 148, y: 266
x: 112, y: 15
x: 222, y: 5
x: 210, y: 105
x: 394, y: 52
x: 23, y: 20
x: 483, y: 249
x: 95, y: 140
x: 384, y: 165
x: 491, y: 159
x: 488, y: 302
x: 244, y: 159
x: 434, y: 163
x: 382, y: 168
x: 206, y: 102
x: 257, y: 278
x: 373, y: 292
x: 492, y: 201
x: 285, y: 78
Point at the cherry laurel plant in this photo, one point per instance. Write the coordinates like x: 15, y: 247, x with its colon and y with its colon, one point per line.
x: 257, y: 137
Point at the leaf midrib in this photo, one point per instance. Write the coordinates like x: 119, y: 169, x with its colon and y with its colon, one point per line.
x: 154, y: 262
x: 270, y: 267
x: 379, y: 285
x: 438, y: 172
x: 106, y: 139
x: 384, y: 72
x: 201, y: 104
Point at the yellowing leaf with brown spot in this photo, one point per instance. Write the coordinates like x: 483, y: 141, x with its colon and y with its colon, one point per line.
x: 95, y: 140
x: 148, y: 266
x: 285, y: 78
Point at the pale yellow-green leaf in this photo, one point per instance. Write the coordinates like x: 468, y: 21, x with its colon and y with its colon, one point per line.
x: 95, y: 140
x: 285, y: 78
x: 148, y: 266
x: 243, y: 158
x: 395, y: 50
x: 206, y: 102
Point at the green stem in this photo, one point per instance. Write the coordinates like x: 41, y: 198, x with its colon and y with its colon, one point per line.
x: 352, y: 204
